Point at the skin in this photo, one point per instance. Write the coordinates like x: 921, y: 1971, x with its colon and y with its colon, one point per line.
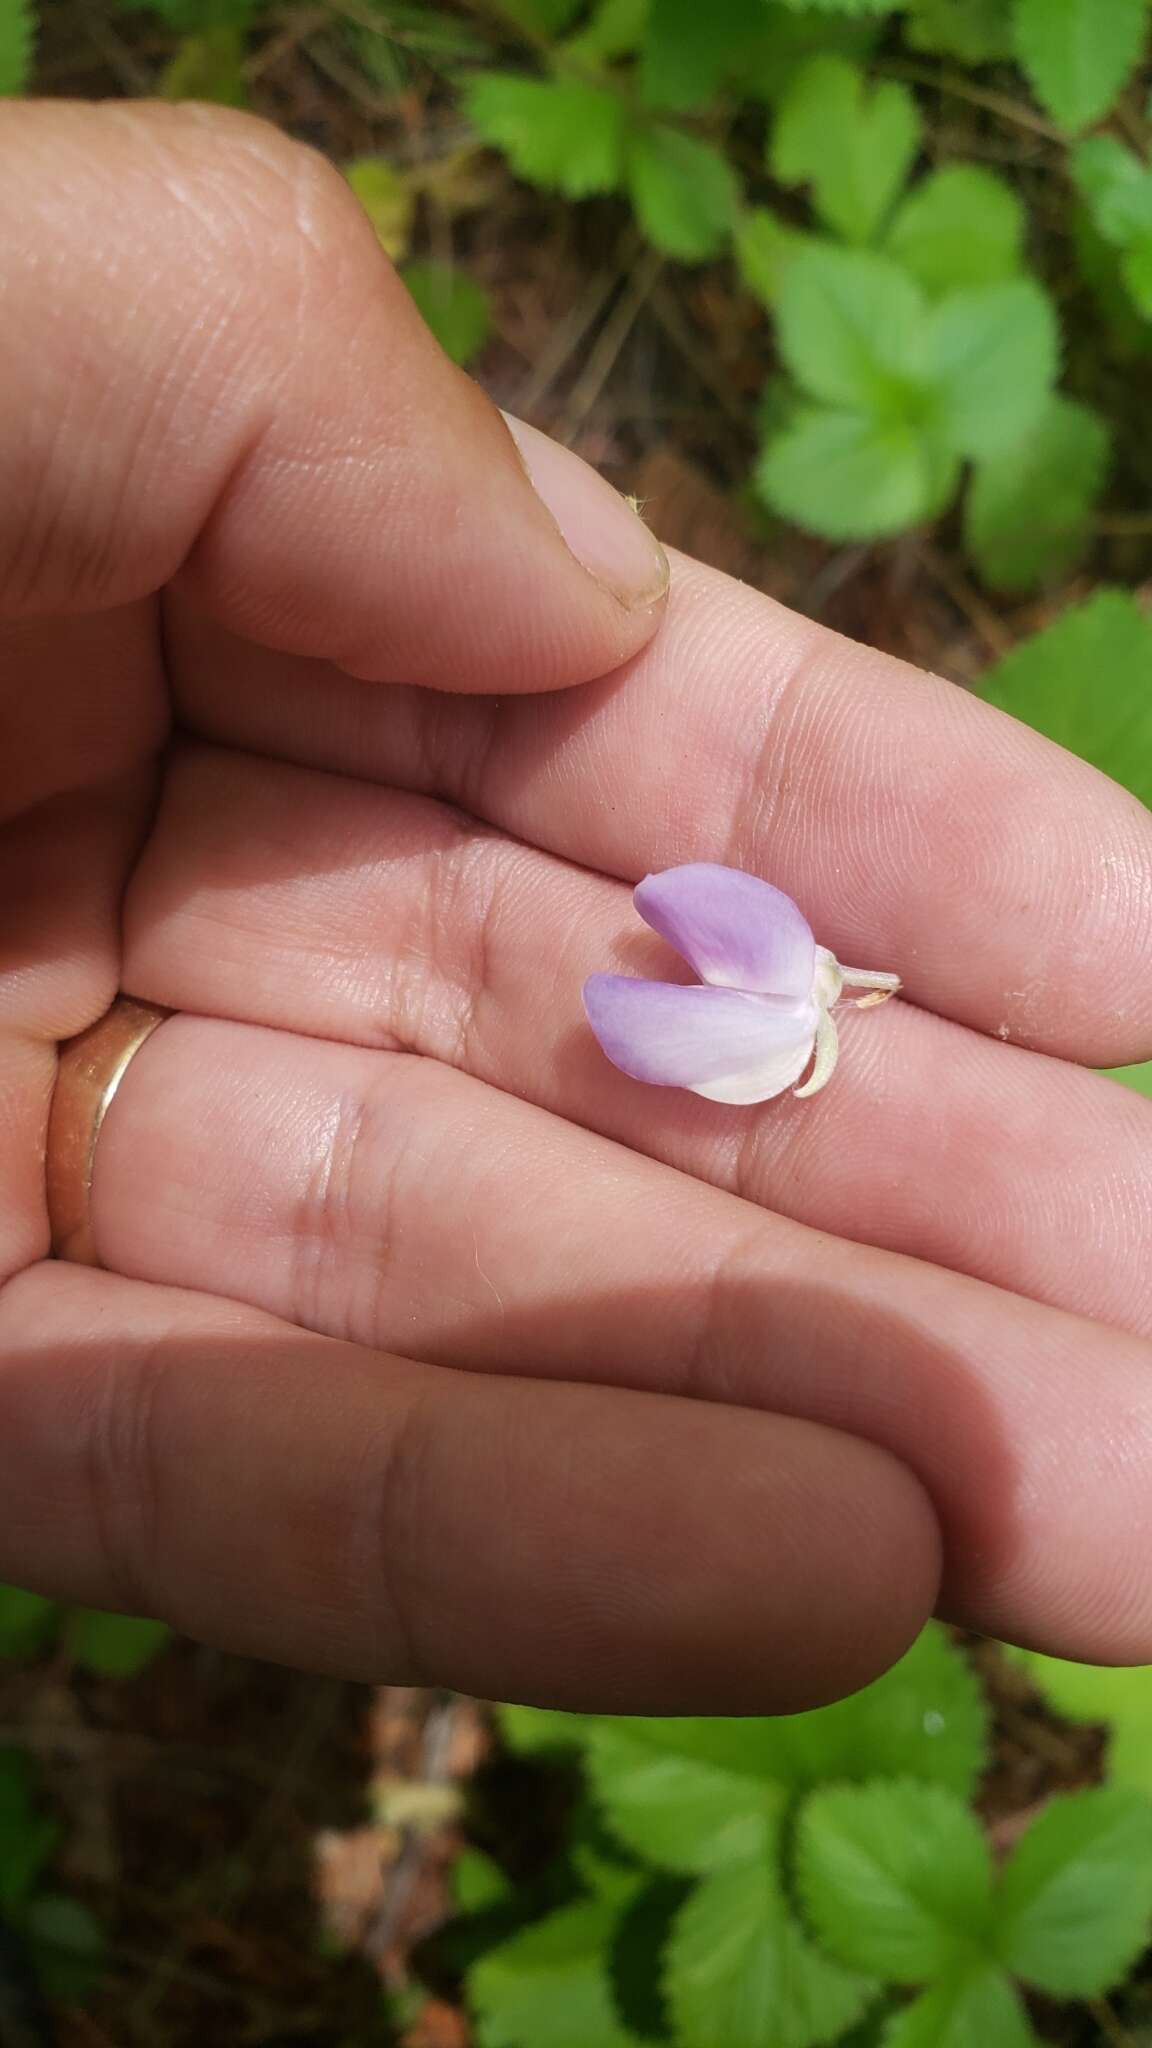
x: 429, y: 1347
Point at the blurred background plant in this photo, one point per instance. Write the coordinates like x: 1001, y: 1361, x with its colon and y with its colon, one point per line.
x: 856, y: 297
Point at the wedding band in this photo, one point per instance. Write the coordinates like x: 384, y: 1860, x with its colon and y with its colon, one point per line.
x: 90, y: 1071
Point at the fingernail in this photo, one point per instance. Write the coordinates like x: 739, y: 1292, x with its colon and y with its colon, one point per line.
x: 606, y: 536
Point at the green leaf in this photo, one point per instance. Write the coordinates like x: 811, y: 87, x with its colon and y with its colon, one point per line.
x: 994, y: 354
x: 788, y: 38
x: 557, y: 133
x: 1030, y: 505
x: 616, y: 29
x: 67, y: 1946
x: 112, y: 1645
x: 684, y: 192
x: 1078, y: 53
x: 17, y: 41
x: 853, y: 328
x: 974, y: 31
x: 453, y: 305
x: 550, y: 1986
x: 852, y: 141
x: 926, y: 1718
x: 1074, y: 1907
x: 1117, y: 187
x: 207, y: 66
x: 894, y: 1877
x: 27, y: 1623
x: 542, y: 1731
x: 1119, y: 1698
x: 387, y: 199
x: 689, y: 49
x: 1139, y: 1078
x: 679, y: 1812
x: 478, y: 1882
x: 740, y: 1971
x: 540, y: 17
x: 851, y: 476
x: 976, y: 2008
x: 1136, y: 268
x: 764, y: 245
x: 1052, y: 682
x: 960, y: 226
x: 28, y: 1838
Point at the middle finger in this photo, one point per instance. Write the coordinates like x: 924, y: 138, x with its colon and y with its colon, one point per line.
x: 284, y: 896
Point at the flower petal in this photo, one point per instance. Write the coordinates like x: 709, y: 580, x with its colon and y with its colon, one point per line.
x: 734, y: 929
x: 719, y: 1042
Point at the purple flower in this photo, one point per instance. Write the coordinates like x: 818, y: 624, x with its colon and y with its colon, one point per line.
x: 763, y: 1011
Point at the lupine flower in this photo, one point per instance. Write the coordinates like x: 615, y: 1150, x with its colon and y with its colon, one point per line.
x: 762, y: 1011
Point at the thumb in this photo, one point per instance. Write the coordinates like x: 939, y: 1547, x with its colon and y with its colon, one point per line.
x: 211, y: 371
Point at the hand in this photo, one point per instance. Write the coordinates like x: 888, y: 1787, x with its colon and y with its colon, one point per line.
x: 428, y: 1345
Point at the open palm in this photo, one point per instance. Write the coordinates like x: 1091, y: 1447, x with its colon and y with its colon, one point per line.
x: 428, y: 1344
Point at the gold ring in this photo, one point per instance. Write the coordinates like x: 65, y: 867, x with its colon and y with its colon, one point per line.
x: 91, y: 1069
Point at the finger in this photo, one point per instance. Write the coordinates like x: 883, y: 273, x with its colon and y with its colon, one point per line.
x: 299, y: 1499
x: 921, y: 831
x: 81, y: 719
x: 389, y: 1200
x: 281, y: 429
x: 289, y: 898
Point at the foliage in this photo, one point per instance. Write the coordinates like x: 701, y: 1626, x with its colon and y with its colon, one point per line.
x: 454, y: 306
x: 788, y: 1880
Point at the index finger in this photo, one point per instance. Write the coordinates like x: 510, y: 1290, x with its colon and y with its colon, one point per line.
x: 920, y: 830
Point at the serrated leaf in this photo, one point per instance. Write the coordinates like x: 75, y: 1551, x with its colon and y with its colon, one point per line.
x: 684, y: 192
x: 112, y: 1645
x: 387, y: 199
x: 764, y: 246
x: 1074, y: 1907
x: 977, y: 2008
x: 1078, y: 53
x: 789, y: 37
x: 993, y: 352
x: 679, y: 1812
x: 561, y: 134
x: 975, y: 31
x: 852, y: 141
x: 894, y: 1877
x: 851, y: 476
x: 853, y: 328
x: 740, y: 1970
x: 1029, y: 507
x: 27, y: 1623
x: 1052, y: 682
x: 960, y: 226
x: 616, y: 28
x: 453, y: 305
x: 1117, y: 187
x: 17, y: 40
x: 550, y: 1987
x: 689, y: 49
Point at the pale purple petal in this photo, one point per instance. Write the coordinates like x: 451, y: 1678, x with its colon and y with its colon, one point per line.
x: 735, y: 930
x: 719, y: 1042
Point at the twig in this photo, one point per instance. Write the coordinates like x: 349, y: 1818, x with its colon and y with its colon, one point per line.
x: 602, y: 360
x: 1110, y: 2024
x: 554, y: 358
x: 980, y: 616
x: 977, y: 96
